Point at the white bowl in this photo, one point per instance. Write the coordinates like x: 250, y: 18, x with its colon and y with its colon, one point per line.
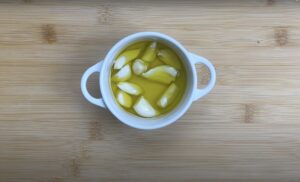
x: 192, y: 93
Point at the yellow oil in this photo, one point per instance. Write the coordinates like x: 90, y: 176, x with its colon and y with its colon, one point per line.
x: 152, y: 90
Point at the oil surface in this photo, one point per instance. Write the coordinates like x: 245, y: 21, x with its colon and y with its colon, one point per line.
x: 152, y: 90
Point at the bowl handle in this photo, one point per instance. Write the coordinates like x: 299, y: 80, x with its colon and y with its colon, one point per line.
x: 84, y: 79
x: 198, y: 93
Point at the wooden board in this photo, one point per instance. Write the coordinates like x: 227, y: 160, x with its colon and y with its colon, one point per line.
x: 247, y: 129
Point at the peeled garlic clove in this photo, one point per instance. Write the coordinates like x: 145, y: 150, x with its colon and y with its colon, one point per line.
x: 139, y: 67
x: 130, y: 88
x: 125, y: 58
x: 168, y: 96
x: 124, y: 99
x: 123, y: 74
x: 143, y: 108
x: 150, y: 53
x: 169, y: 57
x: 163, y: 74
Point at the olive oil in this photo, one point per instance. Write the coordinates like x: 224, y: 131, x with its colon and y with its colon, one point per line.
x: 148, y: 79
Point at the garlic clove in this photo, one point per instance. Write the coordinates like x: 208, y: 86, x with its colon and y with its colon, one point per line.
x: 130, y: 88
x: 143, y: 108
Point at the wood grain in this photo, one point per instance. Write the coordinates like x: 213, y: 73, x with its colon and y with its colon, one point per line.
x: 247, y: 129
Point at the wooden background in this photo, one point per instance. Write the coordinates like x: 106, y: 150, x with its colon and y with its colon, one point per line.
x: 247, y: 129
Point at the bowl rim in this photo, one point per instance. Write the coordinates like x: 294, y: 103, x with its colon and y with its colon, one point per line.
x: 129, y: 118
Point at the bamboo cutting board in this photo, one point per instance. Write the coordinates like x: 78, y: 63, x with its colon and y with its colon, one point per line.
x: 247, y: 129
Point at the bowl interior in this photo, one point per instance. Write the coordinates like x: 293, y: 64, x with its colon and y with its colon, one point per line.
x: 134, y: 120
